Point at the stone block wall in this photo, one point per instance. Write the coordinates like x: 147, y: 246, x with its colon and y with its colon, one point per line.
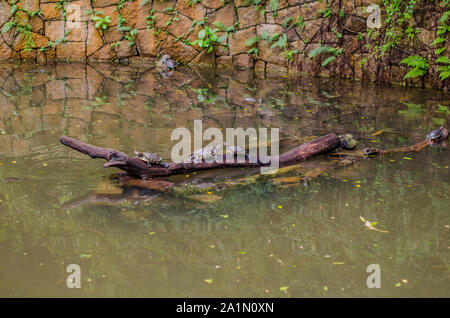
x: 269, y: 36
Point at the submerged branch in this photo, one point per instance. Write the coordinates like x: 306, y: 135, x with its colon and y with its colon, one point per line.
x: 371, y: 151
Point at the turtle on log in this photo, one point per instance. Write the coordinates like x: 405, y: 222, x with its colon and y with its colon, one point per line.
x: 151, y: 159
x: 209, y: 154
x: 437, y: 135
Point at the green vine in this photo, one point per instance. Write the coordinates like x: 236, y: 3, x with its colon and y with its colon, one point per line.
x: 20, y: 23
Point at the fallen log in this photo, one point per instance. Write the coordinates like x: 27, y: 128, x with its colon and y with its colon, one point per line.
x: 126, y: 181
x: 138, y: 169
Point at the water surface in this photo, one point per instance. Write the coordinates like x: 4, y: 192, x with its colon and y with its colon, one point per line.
x: 259, y: 239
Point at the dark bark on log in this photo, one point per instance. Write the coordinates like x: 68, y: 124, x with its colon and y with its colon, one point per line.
x: 315, y: 147
x: 139, y: 169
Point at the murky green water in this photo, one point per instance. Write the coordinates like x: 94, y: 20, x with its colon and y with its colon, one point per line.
x: 58, y: 207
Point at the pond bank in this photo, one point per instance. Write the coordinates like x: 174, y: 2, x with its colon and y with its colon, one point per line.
x: 277, y: 37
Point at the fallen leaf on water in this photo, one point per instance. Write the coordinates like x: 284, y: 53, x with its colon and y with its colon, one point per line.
x: 379, y: 132
x: 284, y: 288
x: 370, y: 225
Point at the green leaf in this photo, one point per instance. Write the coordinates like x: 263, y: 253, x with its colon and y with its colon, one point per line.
x: 265, y: 36
x: 274, y: 5
x: 222, y: 39
x: 124, y: 29
x: 444, y: 74
x: 286, y: 22
x: 321, y: 49
x: 416, y: 62
x: 13, y: 9
x: 274, y: 36
x: 253, y: 50
x: 415, y: 72
x: 213, y: 38
x: 445, y: 17
x: 230, y: 29
x: 202, y: 34
x: 7, y: 27
x: 438, y: 40
x: 252, y: 41
x: 439, y: 51
x: 443, y: 60
x: 220, y: 25
x: 328, y: 60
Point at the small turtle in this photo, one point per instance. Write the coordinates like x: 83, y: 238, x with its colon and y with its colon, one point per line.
x: 203, y: 154
x: 348, y: 141
x: 369, y: 151
x: 436, y: 135
x: 235, y: 151
x: 150, y: 159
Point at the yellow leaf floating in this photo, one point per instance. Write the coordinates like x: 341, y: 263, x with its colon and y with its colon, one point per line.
x: 370, y: 225
x: 379, y: 132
